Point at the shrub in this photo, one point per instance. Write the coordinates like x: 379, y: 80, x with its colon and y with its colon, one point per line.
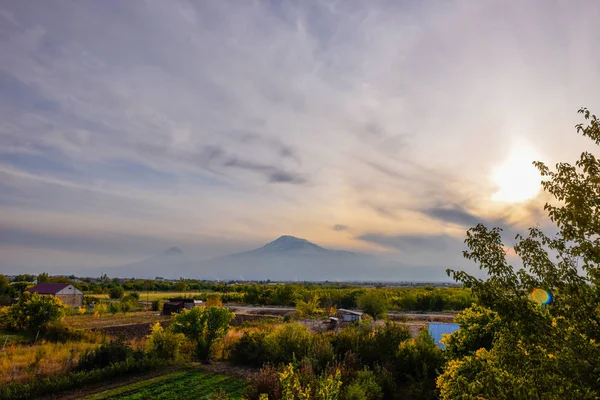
x: 381, y: 347
x: 108, y: 353
x: 114, y: 308
x: 418, y: 364
x: 128, y: 303
x: 135, y: 295
x: 116, y: 292
x: 293, y: 340
x: 266, y: 381
x: 367, y: 381
x: 162, y: 343
x: 321, y: 352
x: 255, y: 348
x: 373, y: 303
x: 204, y: 325
x: 214, y: 300
x: 34, y: 312
x: 157, y: 305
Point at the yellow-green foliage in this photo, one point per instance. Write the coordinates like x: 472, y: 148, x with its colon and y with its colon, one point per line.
x: 23, y: 361
x: 164, y: 344
x: 325, y: 388
x: 309, y: 308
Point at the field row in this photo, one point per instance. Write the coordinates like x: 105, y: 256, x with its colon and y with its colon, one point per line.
x: 176, y: 385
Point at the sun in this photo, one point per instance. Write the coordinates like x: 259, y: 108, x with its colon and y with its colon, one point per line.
x: 516, y: 179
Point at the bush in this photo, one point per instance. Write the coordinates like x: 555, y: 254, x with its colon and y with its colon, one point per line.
x: 293, y: 340
x: 114, y: 308
x: 366, y: 380
x: 135, y: 295
x: 116, y: 292
x: 214, y: 300
x: 266, y: 381
x: 157, y: 305
x: 418, y: 364
x: 204, y: 325
x: 34, y: 312
x: 373, y: 303
x: 321, y: 352
x: 164, y: 344
x: 108, y: 353
x: 255, y: 348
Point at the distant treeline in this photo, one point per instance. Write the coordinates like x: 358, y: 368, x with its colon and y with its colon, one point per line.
x: 338, y: 295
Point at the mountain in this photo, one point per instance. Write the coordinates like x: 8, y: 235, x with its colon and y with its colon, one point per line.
x: 287, y: 258
x: 292, y: 246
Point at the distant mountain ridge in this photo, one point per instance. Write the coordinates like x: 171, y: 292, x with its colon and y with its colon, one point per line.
x: 291, y: 245
x: 287, y: 258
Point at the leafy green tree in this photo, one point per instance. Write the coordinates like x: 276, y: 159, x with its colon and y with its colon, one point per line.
x: 43, y: 277
x: 116, y: 292
x: 478, y: 327
x: 24, y: 278
x: 164, y: 344
x: 4, y: 284
x: 204, y: 325
x: 550, y: 350
x: 34, y: 312
x: 373, y: 303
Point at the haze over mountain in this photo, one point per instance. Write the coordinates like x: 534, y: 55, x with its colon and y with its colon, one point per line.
x: 286, y: 258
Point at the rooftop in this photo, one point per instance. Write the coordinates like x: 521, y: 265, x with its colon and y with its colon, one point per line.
x: 48, y: 288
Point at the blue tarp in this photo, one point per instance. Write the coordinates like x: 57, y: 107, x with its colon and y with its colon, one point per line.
x: 436, y: 330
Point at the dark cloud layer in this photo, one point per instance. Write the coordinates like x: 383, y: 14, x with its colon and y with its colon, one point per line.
x: 413, y: 242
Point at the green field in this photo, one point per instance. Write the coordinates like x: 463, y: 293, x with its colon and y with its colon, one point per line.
x: 176, y: 385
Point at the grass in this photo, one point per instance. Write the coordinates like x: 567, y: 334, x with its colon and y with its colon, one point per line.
x: 88, y: 321
x: 149, y: 296
x: 175, y: 385
x: 10, y: 338
x: 22, y: 362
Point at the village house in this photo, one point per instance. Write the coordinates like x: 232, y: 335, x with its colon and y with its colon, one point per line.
x: 68, y: 294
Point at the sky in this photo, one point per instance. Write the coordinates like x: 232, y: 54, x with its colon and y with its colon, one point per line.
x: 384, y: 127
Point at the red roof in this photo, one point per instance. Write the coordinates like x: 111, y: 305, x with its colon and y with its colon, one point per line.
x: 48, y: 288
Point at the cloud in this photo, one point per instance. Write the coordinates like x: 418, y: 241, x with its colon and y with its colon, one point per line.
x: 412, y: 242
x: 228, y: 116
x: 453, y: 214
x: 340, y: 228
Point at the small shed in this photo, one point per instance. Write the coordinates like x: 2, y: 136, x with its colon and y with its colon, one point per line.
x: 437, y: 329
x: 176, y: 305
x: 349, y: 315
x: 173, y: 307
x: 68, y: 294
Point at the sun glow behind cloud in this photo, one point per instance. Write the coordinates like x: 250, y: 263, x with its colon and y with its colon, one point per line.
x: 516, y: 178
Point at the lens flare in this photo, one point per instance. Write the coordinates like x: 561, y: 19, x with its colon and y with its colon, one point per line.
x: 540, y: 296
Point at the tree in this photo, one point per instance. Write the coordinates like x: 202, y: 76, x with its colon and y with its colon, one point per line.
x: 373, y: 303
x: 164, y: 344
x: 181, y: 286
x: 116, y: 292
x: 204, y: 325
x: 213, y: 300
x: 43, y: 277
x: 4, y: 284
x: 34, y: 312
x: 544, y: 346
